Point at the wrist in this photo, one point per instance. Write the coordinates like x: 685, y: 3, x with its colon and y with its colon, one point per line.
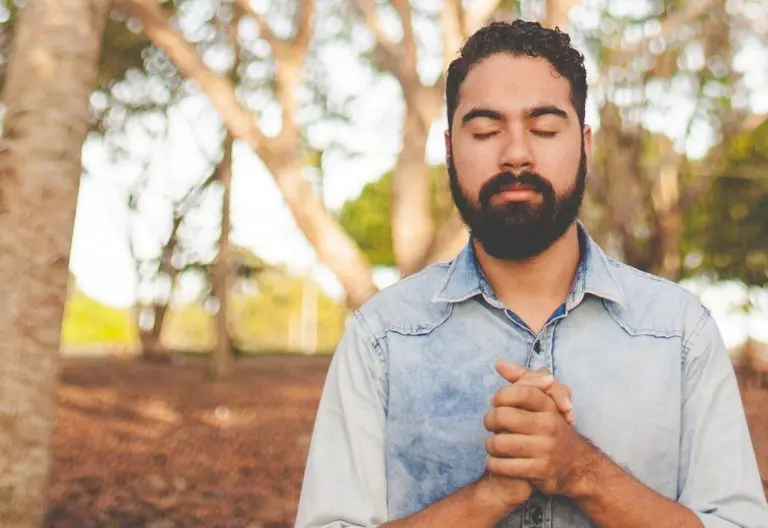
x: 583, y: 483
x: 490, y: 496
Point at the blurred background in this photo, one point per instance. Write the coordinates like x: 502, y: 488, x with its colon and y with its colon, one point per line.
x: 255, y: 169
x: 335, y: 184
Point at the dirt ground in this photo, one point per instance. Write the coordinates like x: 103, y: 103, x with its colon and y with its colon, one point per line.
x: 159, y: 446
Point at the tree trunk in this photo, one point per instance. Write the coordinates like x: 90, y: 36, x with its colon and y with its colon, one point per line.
x: 669, y: 222
x: 222, y: 359
x: 412, y: 227
x: 332, y: 244
x: 152, y: 348
x: 51, y: 73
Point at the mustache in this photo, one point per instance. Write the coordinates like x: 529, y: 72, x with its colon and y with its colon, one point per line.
x: 498, y: 182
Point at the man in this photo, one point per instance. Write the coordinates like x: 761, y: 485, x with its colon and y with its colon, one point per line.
x: 420, y: 425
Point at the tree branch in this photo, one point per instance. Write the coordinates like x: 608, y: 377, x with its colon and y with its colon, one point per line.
x: 480, y: 15
x: 265, y: 31
x: 557, y: 12
x: 304, y: 17
x: 283, y: 159
x: 289, y: 58
x: 387, y: 47
x: 692, y: 10
x: 448, y: 240
x: 189, y: 63
x: 457, y: 24
x: 453, y: 23
x: 408, y: 45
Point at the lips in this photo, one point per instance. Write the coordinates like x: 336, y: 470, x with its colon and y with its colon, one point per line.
x: 518, y: 187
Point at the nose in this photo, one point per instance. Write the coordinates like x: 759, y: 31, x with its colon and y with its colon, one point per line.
x: 517, y: 156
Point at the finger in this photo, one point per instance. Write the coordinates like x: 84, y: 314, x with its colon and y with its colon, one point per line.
x: 511, y: 372
x: 511, y: 420
x: 560, y: 394
x: 523, y: 396
x: 511, y: 445
x: 523, y: 468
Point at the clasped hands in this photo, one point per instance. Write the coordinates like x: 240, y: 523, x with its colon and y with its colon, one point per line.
x: 533, y: 443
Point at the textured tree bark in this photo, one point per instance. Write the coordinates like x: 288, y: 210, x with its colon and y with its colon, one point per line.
x: 222, y: 359
x: 51, y: 73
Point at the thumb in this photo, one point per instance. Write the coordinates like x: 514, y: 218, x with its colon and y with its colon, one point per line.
x: 512, y: 372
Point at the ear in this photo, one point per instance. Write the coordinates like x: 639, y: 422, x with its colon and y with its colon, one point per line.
x: 587, y: 132
x: 448, y: 153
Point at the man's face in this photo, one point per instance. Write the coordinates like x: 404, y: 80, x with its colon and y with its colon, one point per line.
x: 517, y: 155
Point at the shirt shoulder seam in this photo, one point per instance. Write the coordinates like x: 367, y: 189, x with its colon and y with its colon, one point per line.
x: 688, y: 343
x: 371, y: 338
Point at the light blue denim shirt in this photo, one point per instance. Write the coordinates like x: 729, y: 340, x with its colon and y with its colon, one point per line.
x: 400, y: 422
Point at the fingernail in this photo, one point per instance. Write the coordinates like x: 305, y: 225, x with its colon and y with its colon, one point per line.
x: 568, y: 404
x: 549, y: 378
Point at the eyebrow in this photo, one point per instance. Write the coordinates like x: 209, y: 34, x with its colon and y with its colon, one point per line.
x: 533, y: 113
x: 538, y: 111
x: 476, y: 113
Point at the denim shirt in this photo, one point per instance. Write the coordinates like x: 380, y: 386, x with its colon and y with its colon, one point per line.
x: 400, y: 421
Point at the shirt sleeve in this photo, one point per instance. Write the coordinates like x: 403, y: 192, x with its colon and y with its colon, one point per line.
x: 345, y: 477
x: 718, y: 473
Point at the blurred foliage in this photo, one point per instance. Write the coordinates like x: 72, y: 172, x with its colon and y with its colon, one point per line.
x: 189, y: 328
x: 727, y: 231
x: 367, y: 218
x: 90, y: 323
x: 265, y: 317
x: 271, y: 320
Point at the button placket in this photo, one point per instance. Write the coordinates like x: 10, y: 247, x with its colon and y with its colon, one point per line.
x: 535, y: 509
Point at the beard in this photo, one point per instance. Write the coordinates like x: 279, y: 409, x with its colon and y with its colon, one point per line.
x: 519, y: 230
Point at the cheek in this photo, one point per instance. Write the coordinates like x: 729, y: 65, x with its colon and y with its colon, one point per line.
x: 474, y: 166
x: 559, y: 163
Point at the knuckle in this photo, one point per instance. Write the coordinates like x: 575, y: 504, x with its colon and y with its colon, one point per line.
x: 502, y: 395
x: 548, y: 424
x: 489, y: 419
x: 493, y: 445
x: 501, y: 418
x: 493, y: 465
x: 527, y: 393
x: 545, y: 470
x: 530, y: 421
x: 549, y: 446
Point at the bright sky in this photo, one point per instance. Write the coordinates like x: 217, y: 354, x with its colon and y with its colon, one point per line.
x: 100, y: 253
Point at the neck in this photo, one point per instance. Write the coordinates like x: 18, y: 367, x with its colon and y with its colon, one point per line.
x: 537, y: 283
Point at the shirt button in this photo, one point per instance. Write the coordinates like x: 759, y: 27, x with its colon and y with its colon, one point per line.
x: 537, y: 347
x: 537, y: 515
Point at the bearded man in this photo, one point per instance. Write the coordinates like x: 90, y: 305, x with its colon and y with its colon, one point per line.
x: 532, y: 381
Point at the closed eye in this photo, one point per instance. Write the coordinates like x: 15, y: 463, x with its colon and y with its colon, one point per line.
x: 544, y: 133
x: 484, y: 135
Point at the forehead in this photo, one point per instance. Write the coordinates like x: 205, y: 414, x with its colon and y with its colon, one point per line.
x: 511, y: 84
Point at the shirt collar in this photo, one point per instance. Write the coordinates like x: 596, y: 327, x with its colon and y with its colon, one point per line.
x: 594, y: 275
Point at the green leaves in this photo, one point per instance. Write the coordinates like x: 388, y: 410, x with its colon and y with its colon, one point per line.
x: 727, y: 232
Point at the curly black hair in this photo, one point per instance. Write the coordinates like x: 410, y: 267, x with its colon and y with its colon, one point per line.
x: 518, y: 38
